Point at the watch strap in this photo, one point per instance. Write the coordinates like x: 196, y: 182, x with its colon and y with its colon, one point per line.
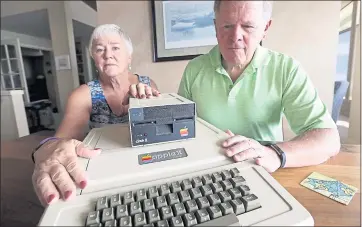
x: 280, y: 154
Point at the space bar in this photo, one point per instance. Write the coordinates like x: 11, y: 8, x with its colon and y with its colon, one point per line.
x: 228, y: 220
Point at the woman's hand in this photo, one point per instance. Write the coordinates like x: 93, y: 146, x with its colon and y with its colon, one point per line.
x: 141, y: 90
x: 57, y: 171
x: 242, y: 148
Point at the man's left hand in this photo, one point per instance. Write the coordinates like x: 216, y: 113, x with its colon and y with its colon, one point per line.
x: 242, y: 148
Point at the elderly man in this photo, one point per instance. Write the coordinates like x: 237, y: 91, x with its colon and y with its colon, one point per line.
x: 244, y: 88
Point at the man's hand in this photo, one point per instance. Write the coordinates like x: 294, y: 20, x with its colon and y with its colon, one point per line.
x: 142, y: 91
x: 57, y: 172
x: 242, y: 148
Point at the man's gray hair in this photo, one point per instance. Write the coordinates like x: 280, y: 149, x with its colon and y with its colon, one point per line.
x: 106, y: 29
x: 267, y: 8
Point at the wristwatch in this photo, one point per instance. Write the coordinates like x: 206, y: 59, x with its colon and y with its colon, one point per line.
x: 279, y: 152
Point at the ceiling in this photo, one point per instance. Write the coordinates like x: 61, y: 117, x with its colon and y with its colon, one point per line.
x: 36, y: 23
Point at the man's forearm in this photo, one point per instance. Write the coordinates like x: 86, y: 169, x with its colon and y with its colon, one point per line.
x: 311, y: 148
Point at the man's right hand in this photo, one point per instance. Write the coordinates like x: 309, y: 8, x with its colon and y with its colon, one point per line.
x: 57, y: 172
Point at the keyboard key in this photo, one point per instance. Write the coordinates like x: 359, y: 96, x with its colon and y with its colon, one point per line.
x: 226, y: 184
x: 95, y: 225
x: 186, y: 184
x: 214, y: 199
x: 235, y: 193
x: 216, y: 187
x: 148, y: 205
x: 102, y: 203
x: 202, y: 216
x: 224, y: 196
x: 166, y: 212
x: 184, y: 196
x: 164, y: 189
x: 135, y: 208
x: 191, y: 206
x: 176, y: 221
x: 153, y: 216
x: 189, y: 219
x: 228, y: 220
x: 148, y: 225
x: 225, y: 174
x: 93, y: 218
x: 214, y: 212
x: 238, y: 206
x: 116, y: 200
x: 251, y: 202
x: 206, y: 190
x: 141, y: 195
x: 128, y: 198
x: 245, y: 190
x: 139, y: 219
x: 216, y: 177
x: 152, y: 192
x: 125, y: 221
x: 175, y: 187
x: 206, y: 179
x: 226, y: 208
x: 237, y: 181
x: 195, y: 193
x: 121, y: 211
x: 196, y: 182
x: 234, y: 172
x: 202, y: 202
x: 107, y: 214
x: 162, y: 223
x: 110, y: 223
x: 160, y: 201
x: 179, y: 209
x: 172, y: 199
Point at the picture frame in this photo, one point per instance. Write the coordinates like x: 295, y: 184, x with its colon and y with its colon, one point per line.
x: 62, y: 62
x: 182, y: 30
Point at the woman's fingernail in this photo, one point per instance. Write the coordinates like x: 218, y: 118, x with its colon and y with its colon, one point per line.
x: 50, y: 198
x: 143, y: 96
x: 83, y: 184
x: 67, y: 194
x: 229, y: 152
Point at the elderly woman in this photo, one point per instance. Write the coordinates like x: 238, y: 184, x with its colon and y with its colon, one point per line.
x: 104, y: 101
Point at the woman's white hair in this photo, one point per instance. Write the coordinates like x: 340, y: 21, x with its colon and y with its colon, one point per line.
x: 106, y: 29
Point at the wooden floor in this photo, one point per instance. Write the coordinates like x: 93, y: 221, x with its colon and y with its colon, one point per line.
x: 19, y: 204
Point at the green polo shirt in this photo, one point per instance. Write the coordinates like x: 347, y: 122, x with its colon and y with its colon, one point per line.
x: 272, y: 84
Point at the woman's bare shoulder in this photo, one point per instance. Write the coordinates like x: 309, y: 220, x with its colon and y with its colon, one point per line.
x: 80, y: 95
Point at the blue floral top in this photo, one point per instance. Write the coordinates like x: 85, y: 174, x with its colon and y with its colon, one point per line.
x: 101, y: 113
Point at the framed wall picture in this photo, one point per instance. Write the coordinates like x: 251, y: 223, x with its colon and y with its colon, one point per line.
x: 62, y: 62
x: 182, y: 30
